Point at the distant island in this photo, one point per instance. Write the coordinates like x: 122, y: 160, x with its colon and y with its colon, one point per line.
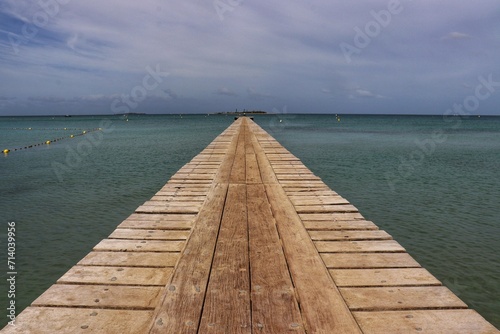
x: 130, y: 113
x: 242, y: 113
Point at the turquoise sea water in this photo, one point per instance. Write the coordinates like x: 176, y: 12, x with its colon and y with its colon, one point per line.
x: 432, y: 183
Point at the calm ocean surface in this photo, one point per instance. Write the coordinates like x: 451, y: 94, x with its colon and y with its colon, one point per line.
x: 432, y: 183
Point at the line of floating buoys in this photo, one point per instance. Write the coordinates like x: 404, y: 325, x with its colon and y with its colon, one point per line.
x: 48, y: 142
x: 50, y: 129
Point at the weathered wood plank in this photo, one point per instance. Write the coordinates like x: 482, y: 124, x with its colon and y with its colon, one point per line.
x: 178, y: 198
x: 267, y: 174
x: 400, y: 298
x: 157, y: 224
x: 345, y: 225
x: 330, y: 216
x: 166, y: 209
x: 369, y: 260
x: 124, y: 245
x: 349, y: 235
x: 116, y: 275
x: 316, y: 200
x: 383, y: 277
x: 50, y: 320
x: 428, y: 321
x: 252, y: 169
x: 325, y: 208
x: 161, y: 217
x: 385, y: 246
x: 227, y: 301
x: 323, y: 309
x: 238, y: 170
x: 174, y: 204
x: 182, y: 302
x: 123, y: 233
x: 274, y: 305
x: 130, y: 259
x: 101, y: 296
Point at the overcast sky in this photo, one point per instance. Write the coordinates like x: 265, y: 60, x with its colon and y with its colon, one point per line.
x: 295, y: 56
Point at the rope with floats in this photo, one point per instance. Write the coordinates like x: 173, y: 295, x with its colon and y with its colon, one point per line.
x: 48, y: 142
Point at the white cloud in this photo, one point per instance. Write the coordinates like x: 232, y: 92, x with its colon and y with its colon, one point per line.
x: 456, y: 35
x: 225, y: 91
x: 367, y: 93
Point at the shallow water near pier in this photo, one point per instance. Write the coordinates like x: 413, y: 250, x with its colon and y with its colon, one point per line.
x: 432, y: 183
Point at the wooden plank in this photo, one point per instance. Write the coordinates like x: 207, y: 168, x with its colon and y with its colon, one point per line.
x: 130, y: 259
x: 238, y: 169
x: 383, y: 277
x: 185, y: 192
x: 193, y: 176
x: 295, y: 177
x: 325, y: 208
x: 428, y: 321
x: 101, y: 296
x: 178, y: 198
x: 252, y: 169
x: 50, y: 320
x: 349, y: 235
x: 323, y: 309
x: 302, y: 192
x: 116, y: 275
x: 267, y: 174
x: 331, y: 216
x: 156, y: 224
x: 174, y: 204
x: 345, y: 225
x: 385, y: 246
x: 166, y: 209
x: 123, y: 233
x: 161, y: 217
x: 227, y: 301
x: 400, y: 298
x: 124, y: 245
x: 369, y: 260
x: 274, y: 305
x: 182, y: 302
x: 316, y: 200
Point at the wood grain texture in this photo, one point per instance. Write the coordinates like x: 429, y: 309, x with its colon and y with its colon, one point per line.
x: 227, y: 301
x: 428, y: 321
x: 274, y: 305
x: 400, y: 298
x: 322, y: 306
x: 101, y: 296
x: 130, y: 259
x: 50, y: 320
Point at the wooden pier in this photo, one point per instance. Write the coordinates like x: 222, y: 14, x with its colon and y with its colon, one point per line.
x: 245, y: 239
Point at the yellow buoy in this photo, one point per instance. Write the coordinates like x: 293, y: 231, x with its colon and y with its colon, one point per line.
x: 71, y: 136
x: 84, y: 132
x: 6, y: 151
x: 47, y: 142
